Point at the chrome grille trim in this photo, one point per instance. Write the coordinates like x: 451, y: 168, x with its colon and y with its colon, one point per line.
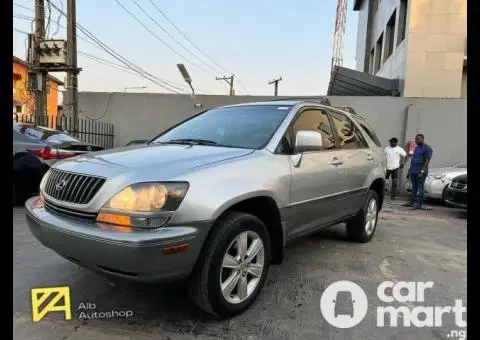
x: 52, y: 207
x: 77, y: 188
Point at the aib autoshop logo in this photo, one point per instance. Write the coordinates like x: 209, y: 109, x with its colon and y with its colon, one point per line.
x: 344, y: 304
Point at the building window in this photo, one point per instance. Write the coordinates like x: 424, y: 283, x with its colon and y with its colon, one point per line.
x: 402, y: 22
x: 378, y: 54
x: 390, y: 36
x: 371, y: 60
x: 18, y: 109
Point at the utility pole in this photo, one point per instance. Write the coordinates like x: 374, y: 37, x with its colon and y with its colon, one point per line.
x: 72, y: 69
x: 41, y: 75
x: 275, y: 85
x: 229, y: 81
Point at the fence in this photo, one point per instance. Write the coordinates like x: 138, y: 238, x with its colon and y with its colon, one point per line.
x: 86, y: 130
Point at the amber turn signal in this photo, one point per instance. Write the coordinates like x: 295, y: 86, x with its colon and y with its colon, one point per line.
x: 174, y: 250
x: 119, y: 220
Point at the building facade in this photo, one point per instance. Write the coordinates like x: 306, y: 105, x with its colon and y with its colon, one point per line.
x: 23, y: 100
x: 422, y: 43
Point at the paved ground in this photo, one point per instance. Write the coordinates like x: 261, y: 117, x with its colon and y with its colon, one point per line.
x: 408, y: 246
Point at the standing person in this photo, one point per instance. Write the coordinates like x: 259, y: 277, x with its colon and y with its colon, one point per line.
x: 395, y: 160
x: 418, y: 171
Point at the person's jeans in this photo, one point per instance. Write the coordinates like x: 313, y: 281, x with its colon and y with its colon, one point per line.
x: 418, y: 188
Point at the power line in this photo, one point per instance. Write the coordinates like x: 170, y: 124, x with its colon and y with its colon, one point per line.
x: 179, y: 30
x: 159, y: 38
x: 120, y: 67
x: 47, y: 29
x: 113, y: 64
x: 186, y: 37
x: 171, y: 36
x: 122, y: 59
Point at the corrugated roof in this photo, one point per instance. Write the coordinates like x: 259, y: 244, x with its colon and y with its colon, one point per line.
x: 347, y: 82
x: 24, y: 63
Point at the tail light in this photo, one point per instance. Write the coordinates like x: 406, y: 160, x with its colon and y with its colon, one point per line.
x: 48, y: 153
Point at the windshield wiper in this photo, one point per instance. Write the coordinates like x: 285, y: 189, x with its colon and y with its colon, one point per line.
x: 191, y: 141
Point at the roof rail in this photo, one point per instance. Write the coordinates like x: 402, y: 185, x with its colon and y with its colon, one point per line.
x: 349, y: 109
x: 323, y: 100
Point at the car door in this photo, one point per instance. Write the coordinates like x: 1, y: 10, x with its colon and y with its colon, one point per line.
x: 317, y: 177
x: 358, y: 160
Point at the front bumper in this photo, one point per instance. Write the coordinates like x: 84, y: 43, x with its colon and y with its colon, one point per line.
x: 137, y: 255
x: 433, y: 187
x: 456, y: 198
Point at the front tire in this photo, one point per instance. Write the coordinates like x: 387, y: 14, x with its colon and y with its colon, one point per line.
x: 362, y: 227
x: 233, y: 266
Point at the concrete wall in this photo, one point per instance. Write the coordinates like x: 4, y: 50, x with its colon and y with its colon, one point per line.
x: 429, y: 61
x: 143, y: 116
x: 437, y: 33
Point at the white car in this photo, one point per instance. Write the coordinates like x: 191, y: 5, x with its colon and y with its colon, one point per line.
x: 438, y: 179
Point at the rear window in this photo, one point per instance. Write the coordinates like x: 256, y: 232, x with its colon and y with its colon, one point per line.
x: 369, y: 131
x: 43, y: 134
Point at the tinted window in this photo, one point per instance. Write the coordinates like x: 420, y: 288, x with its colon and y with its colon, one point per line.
x: 348, y: 134
x: 286, y: 144
x: 43, y: 134
x: 369, y: 131
x: 246, y: 126
x: 316, y: 120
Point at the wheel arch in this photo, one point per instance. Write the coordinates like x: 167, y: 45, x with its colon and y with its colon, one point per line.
x: 265, y: 208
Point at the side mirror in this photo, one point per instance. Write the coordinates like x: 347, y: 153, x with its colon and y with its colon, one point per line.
x: 306, y: 141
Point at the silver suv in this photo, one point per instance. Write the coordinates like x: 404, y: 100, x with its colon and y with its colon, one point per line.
x: 214, y: 199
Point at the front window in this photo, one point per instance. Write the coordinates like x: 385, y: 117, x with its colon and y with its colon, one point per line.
x: 246, y: 126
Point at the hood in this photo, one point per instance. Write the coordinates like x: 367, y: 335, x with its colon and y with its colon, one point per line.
x: 145, y: 157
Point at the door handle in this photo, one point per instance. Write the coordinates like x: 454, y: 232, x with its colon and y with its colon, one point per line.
x: 370, y: 157
x: 336, y: 161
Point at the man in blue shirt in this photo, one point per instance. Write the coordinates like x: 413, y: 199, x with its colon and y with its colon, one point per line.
x: 418, y: 171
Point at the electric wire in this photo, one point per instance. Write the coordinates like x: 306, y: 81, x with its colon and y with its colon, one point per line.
x: 159, y: 38
x: 171, y: 36
x: 161, y: 83
x: 183, y: 34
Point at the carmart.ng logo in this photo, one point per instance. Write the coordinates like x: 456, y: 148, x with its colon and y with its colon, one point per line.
x: 344, y: 304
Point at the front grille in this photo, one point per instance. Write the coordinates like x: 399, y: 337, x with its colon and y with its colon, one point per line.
x: 71, y: 187
x: 52, y: 207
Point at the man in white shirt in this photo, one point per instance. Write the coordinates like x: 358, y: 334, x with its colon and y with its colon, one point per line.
x: 396, y: 157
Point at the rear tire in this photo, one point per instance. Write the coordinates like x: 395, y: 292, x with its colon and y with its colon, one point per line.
x: 209, y: 282
x: 362, y: 227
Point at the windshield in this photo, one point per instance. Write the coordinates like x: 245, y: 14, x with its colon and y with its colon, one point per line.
x: 246, y: 126
x: 462, y: 165
x: 45, y: 134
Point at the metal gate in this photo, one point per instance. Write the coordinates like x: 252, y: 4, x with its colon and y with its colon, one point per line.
x: 87, y: 130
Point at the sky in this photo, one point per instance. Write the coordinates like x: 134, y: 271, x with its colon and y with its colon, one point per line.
x: 257, y: 41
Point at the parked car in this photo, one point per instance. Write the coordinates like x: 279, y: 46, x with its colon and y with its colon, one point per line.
x: 35, y: 150
x: 215, y: 198
x: 456, y: 192
x: 438, y: 180
x: 137, y: 141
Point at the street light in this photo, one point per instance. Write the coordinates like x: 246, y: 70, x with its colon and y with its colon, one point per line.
x: 186, y: 77
x: 133, y: 87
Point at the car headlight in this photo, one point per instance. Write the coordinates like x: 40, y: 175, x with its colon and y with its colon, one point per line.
x: 139, y: 205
